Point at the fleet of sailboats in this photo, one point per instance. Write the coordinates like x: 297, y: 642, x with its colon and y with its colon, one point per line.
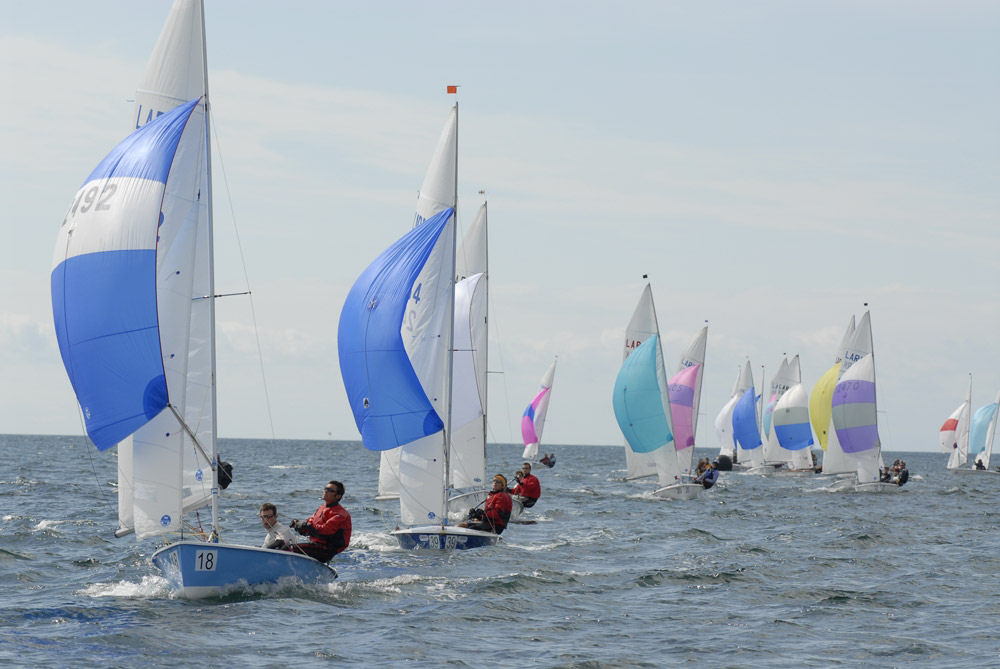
x: 133, y: 299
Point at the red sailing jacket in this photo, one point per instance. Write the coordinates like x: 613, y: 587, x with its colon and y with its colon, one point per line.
x: 497, y: 509
x: 529, y: 487
x: 332, y: 525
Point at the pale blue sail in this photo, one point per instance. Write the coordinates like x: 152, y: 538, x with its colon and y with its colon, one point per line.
x: 980, y: 427
x: 638, y: 400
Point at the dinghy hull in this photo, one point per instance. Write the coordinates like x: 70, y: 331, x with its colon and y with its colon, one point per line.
x: 680, y: 491
x: 443, y: 537
x: 197, y: 569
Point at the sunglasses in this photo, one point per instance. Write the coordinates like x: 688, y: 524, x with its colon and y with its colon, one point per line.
x: 333, y: 490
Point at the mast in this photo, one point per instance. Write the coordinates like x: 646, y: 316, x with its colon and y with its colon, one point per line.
x: 211, y: 282
x: 968, y: 430
x: 486, y: 352
x: 451, y: 335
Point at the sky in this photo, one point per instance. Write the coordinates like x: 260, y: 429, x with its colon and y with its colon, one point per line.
x: 772, y: 166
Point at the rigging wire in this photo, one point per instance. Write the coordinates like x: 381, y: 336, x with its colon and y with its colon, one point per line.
x: 246, y: 276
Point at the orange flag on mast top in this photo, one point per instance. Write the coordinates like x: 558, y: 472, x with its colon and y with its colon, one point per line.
x: 452, y: 90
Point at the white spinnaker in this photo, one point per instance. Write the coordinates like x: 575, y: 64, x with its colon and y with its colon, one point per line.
x: 641, y: 326
x: 437, y: 193
x: 427, y: 339
x: 467, y: 460
x: 155, y: 468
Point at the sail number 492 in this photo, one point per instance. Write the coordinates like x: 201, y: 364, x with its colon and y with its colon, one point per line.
x: 206, y: 560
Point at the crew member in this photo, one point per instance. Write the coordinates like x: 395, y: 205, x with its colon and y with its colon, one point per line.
x: 329, y: 528
x: 494, y: 515
x: 528, y: 488
x: 708, y: 477
x: 278, y: 534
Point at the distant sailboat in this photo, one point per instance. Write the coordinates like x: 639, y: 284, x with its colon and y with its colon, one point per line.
x: 855, y: 418
x: 685, y: 398
x: 792, y: 429
x: 954, y: 433
x: 533, y: 420
x: 789, y: 446
x: 724, y: 420
x: 746, y: 425
x: 970, y: 437
x: 133, y: 300
x: 984, y: 424
x: 835, y: 461
x: 641, y: 401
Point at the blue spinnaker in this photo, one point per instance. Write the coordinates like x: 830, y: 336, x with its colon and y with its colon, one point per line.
x: 104, y: 290
x: 389, y: 404
x: 745, y: 429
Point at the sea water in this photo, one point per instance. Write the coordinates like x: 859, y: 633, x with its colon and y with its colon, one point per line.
x: 759, y: 572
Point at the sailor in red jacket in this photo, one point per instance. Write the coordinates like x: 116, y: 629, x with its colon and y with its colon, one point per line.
x: 329, y: 528
x: 528, y: 488
x: 494, y: 515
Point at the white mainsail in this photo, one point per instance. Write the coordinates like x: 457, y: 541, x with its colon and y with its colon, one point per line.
x: 423, y: 463
x: 437, y: 193
x: 178, y: 72
x: 641, y: 326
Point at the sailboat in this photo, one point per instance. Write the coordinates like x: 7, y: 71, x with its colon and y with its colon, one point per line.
x: 533, y: 420
x: 791, y: 428
x: 685, y: 398
x: 133, y: 305
x: 746, y: 426
x: 969, y: 436
x: 789, y: 374
x: 855, y: 417
x: 954, y: 433
x: 642, y: 408
x: 835, y: 461
x: 728, y: 447
x: 395, y: 341
x: 984, y: 425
